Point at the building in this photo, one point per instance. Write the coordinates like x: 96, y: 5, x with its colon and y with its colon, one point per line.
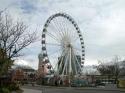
x: 17, y: 75
x: 42, y: 67
x: 23, y: 73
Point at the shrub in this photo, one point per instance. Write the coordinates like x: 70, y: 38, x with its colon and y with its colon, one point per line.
x: 4, y: 90
x: 13, y: 86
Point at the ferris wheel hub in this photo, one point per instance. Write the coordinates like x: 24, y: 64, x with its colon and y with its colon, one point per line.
x: 69, y: 45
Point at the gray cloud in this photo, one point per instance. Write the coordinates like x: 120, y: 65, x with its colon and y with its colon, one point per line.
x: 101, y: 22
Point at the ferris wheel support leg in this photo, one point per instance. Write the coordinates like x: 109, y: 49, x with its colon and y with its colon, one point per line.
x: 76, y: 72
x: 65, y: 65
x: 78, y: 62
x: 70, y: 68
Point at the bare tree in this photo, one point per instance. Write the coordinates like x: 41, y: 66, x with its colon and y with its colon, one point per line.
x: 116, y: 66
x: 122, y: 66
x: 14, y: 37
x: 102, y: 68
x: 111, y: 68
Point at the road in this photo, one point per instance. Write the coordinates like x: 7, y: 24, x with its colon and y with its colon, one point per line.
x: 67, y: 90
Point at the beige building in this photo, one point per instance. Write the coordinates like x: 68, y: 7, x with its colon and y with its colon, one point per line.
x: 42, y: 67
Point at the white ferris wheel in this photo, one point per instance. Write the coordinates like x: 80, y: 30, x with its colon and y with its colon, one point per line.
x: 63, y: 45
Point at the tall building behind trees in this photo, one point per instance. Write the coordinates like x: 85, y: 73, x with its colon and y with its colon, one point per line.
x: 42, y: 68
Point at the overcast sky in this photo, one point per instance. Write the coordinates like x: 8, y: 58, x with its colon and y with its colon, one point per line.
x: 102, y: 23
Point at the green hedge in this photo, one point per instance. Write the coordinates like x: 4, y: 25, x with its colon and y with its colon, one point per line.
x: 4, y: 90
x: 9, y: 88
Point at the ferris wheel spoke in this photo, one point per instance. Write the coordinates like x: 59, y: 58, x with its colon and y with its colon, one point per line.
x: 65, y: 27
x: 60, y: 27
x: 56, y: 35
x: 69, y: 28
x: 52, y: 36
x: 57, y: 30
x: 53, y: 44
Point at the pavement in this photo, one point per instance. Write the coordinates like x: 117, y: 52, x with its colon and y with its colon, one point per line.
x: 31, y: 90
x: 67, y: 90
x: 53, y: 89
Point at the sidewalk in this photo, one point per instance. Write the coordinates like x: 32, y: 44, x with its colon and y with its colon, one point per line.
x: 31, y: 91
x: 105, y: 89
x: 79, y: 88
